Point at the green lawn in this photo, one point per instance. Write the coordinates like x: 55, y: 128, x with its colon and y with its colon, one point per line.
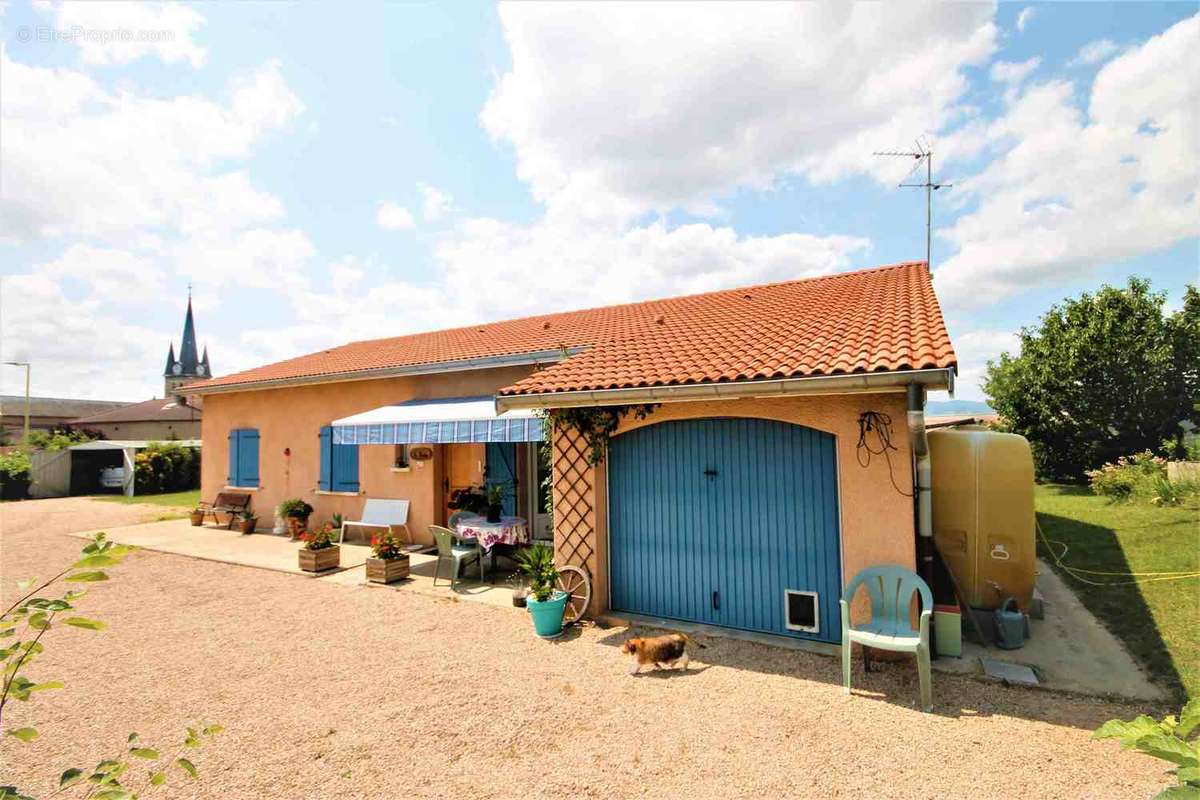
x: 189, y: 499
x: 1158, y: 620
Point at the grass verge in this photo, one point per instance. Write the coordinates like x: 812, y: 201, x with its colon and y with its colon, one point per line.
x: 180, y: 499
x: 1157, y: 620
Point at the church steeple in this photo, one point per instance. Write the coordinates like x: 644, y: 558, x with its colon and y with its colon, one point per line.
x: 189, y: 366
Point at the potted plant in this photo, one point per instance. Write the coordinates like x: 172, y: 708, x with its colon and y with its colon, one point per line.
x: 197, y: 517
x: 296, y: 512
x: 545, y: 602
x: 472, y: 499
x: 388, y: 561
x: 247, y: 521
x: 319, y: 553
x: 495, y: 502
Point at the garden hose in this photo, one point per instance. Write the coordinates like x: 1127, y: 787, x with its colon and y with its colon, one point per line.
x: 1138, y: 577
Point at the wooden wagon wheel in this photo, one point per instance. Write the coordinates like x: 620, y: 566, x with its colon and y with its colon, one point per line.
x: 578, y: 586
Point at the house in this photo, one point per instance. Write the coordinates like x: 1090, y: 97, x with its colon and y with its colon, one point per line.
x: 156, y: 420
x: 759, y: 456
x: 45, y: 413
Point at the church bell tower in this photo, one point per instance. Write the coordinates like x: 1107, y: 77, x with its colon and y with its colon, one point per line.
x: 189, y: 366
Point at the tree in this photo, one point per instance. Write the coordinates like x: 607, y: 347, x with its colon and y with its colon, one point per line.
x: 1102, y: 376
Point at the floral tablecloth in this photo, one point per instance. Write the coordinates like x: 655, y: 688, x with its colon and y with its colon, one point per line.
x: 509, y: 530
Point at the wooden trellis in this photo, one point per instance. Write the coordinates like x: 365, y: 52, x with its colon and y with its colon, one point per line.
x: 574, y: 509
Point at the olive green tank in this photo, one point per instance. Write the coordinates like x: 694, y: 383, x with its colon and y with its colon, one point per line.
x: 983, y: 518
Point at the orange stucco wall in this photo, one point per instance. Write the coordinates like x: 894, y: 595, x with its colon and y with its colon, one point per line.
x: 290, y: 419
x: 876, y: 520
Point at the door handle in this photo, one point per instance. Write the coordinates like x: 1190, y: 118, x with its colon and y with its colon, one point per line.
x: 716, y: 601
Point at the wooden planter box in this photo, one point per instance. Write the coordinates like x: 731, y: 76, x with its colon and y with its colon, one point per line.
x: 386, y: 570
x: 320, y: 560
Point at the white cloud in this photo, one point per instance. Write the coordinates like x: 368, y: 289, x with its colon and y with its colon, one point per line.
x: 121, y: 32
x: 1094, y: 52
x: 435, y: 203
x: 974, y: 349
x: 1069, y: 191
x: 1013, y: 72
x: 1025, y: 17
x: 79, y: 159
x: 392, y: 217
x: 617, y: 109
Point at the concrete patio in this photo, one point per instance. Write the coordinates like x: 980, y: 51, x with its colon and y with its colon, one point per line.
x: 278, y: 553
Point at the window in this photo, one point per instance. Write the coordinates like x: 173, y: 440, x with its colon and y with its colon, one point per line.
x: 400, y: 458
x: 243, y: 458
x: 339, y: 464
x: 800, y: 609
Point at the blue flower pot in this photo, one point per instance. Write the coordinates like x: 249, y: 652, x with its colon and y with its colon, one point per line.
x: 548, y: 615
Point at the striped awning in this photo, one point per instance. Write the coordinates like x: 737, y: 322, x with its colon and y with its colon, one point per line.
x: 448, y: 420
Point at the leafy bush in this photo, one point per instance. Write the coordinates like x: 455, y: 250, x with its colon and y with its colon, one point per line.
x: 166, y: 467
x: 14, y: 466
x: 60, y: 437
x: 1141, y: 476
x: 537, y: 563
x: 23, y: 627
x: 295, y: 508
x: 1172, y: 740
x: 319, y: 539
x: 386, y: 546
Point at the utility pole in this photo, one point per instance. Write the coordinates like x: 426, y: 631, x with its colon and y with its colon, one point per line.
x: 24, y: 364
x: 921, y: 153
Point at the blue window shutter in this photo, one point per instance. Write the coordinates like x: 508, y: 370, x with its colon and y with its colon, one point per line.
x: 248, y: 458
x: 345, y: 467
x: 325, y: 481
x: 232, y: 478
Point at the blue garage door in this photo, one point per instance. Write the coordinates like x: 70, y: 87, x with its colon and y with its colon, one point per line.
x: 729, y: 522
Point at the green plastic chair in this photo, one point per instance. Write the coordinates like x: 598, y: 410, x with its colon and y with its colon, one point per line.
x: 890, y: 588
x: 456, y: 554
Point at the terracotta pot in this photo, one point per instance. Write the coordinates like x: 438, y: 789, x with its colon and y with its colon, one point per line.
x: 387, y: 570
x: 296, y: 526
x: 197, y: 518
x: 248, y: 525
x: 320, y: 560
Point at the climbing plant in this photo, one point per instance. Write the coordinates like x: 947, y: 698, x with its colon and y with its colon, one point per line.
x: 595, y: 424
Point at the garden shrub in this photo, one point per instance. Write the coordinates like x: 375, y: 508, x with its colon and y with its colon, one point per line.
x: 166, y: 467
x: 1141, y: 476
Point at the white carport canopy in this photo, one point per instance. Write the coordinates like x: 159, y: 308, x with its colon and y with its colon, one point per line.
x: 129, y: 448
x: 447, y: 420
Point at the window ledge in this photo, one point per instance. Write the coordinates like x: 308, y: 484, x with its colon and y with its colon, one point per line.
x: 243, y: 488
x: 338, y: 494
x: 401, y: 469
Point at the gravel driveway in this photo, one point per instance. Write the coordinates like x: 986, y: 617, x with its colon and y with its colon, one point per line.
x: 356, y: 692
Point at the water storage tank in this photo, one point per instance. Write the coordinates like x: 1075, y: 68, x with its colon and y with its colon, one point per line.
x: 983, y: 518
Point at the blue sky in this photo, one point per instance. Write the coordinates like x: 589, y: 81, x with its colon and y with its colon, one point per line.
x: 322, y: 175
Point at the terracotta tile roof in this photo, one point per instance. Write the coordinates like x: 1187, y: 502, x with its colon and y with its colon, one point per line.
x: 156, y: 410
x: 872, y: 320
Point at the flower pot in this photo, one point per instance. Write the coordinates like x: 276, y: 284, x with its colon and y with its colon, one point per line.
x: 296, y: 526
x: 547, y: 615
x: 248, y: 525
x: 197, y: 518
x: 494, y: 512
x: 320, y: 560
x: 387, y: 570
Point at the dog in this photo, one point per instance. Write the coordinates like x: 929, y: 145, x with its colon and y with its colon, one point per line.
x: 661, y: 651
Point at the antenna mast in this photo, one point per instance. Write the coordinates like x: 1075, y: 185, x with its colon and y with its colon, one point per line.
x: 921, y: 153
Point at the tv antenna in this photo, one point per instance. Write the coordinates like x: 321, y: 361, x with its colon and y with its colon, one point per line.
x: 920, y: 154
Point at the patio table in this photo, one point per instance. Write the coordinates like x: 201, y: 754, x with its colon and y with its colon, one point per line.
x: 486, y: 535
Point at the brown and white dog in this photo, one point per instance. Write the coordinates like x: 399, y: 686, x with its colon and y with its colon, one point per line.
x: 661, y: 651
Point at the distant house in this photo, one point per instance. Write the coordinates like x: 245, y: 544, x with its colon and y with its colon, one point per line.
x: 151, y: 420
x: 741, y: 491
x: 45, y: 413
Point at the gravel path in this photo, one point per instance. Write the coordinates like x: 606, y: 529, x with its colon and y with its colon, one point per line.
x: 356, y: 692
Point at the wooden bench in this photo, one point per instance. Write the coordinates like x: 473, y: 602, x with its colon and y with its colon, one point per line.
x: 231, y: 503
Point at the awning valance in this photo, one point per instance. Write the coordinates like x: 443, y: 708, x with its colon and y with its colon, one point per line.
x: 448, y: 420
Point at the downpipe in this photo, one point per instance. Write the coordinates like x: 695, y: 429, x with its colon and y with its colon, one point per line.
x: 922, y: 481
